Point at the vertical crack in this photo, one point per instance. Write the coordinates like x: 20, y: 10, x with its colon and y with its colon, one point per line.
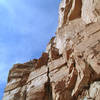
x: 48, y: 88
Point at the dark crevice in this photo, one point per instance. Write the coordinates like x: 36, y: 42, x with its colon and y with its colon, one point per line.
x: 48, y: 88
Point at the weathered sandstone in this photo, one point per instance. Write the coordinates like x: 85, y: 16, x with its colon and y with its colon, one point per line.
x: 70, y: 68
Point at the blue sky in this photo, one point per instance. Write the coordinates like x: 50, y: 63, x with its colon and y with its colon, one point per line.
x: 26, y: 27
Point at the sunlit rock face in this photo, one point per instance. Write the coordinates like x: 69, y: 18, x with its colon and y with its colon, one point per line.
x: 69, y: 10
x: 93, y: 93
x: 70, y: 68
x: 87, y: 10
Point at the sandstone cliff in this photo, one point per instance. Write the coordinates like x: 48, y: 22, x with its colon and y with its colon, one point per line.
x: 70, y: 67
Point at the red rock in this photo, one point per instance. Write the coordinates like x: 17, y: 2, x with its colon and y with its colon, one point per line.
x: 70, y: 68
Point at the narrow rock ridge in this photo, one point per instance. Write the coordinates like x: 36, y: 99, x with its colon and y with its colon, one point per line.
x: 70, y: 67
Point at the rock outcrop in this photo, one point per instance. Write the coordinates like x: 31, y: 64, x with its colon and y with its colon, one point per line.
x: 70, y: 68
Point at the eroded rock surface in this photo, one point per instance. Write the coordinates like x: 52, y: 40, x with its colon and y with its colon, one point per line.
x: 70, y: 68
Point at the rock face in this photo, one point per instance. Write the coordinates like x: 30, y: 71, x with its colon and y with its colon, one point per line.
x: 70, y: 68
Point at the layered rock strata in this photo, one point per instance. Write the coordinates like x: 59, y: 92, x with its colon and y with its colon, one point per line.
x: 70, y: 68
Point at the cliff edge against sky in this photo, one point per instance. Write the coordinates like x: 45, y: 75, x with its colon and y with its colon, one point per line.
x: 70, y: 67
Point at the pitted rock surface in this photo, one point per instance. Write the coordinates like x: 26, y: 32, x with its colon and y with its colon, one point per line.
x: 70, y: 67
